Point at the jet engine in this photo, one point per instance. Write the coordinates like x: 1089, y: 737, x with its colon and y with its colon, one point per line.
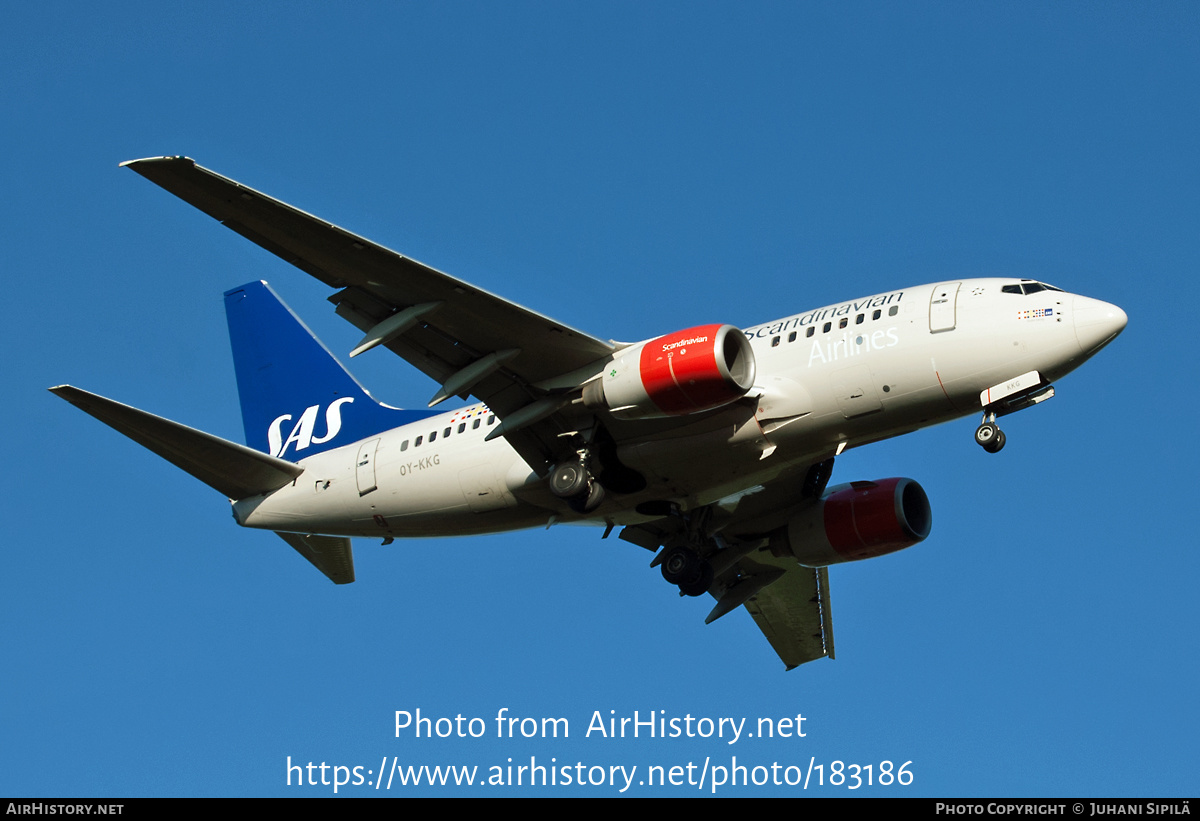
x: 689, y: 371
x: 857, y: 521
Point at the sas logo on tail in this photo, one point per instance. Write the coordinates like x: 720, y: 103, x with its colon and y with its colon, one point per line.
x: 302, y: 431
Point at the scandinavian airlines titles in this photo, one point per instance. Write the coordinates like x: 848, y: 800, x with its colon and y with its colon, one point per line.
x: 831, y: 349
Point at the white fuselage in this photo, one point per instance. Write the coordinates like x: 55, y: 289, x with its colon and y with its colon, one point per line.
x: 833, y: 378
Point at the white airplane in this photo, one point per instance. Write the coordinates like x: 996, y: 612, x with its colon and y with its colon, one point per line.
x: 711, y: 446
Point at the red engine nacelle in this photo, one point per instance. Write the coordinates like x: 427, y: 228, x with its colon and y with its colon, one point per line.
x: 857, y: 521
x: 692, y: 370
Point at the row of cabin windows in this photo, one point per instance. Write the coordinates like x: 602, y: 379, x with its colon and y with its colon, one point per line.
x: 842, y: 323
x: 462, y: 426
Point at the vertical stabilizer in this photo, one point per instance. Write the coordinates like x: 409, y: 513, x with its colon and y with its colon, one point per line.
x: 297, y: 399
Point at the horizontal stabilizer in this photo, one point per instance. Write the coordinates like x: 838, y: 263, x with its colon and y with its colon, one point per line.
x: 235, y: 470
x: 329, y: 554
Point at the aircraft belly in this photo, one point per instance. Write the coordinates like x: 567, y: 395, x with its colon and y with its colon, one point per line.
x: 382, y: 514
x: 376, y: 488
x: 687, y: 463
x: 451, y: 522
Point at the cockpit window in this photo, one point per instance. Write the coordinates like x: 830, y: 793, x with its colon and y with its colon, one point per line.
x: 1027, y: 287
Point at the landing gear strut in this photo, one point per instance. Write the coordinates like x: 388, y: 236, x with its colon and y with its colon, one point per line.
x: 988, y: 435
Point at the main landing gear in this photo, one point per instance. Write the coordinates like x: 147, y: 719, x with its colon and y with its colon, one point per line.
x: 988, y: 435
x: 690, y: 557
x: 574, y: 483
x: 687, y: 568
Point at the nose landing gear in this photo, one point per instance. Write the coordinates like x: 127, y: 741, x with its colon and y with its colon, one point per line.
x: 1016, y: 394
x: 988, y: 435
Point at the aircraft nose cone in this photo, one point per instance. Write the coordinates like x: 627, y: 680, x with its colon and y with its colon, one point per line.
x: 1096, y: 323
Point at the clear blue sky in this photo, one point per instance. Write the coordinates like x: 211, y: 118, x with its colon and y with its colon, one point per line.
x: 630, y: 169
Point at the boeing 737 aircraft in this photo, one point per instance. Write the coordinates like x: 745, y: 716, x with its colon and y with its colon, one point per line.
x: 712, y: 446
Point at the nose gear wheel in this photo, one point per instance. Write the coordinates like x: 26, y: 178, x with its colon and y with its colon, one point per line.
x: 988, y: 435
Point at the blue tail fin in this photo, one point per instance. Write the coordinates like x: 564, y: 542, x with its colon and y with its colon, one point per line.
x: 297, y: 400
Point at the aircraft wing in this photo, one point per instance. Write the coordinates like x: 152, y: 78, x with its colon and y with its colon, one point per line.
x: 470, y: 341
x: 794, y: 614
